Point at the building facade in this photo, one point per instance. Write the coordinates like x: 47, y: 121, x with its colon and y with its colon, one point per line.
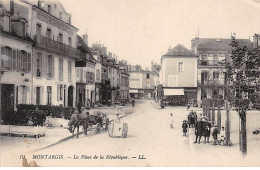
x: 85, y: 75
x: 16, y: 56
x: 178, y: 76
x: 213, y: 53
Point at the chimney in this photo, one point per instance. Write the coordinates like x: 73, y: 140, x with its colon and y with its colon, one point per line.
x: 255, y: 41
x: 41, y: 3
x: 85, y: 37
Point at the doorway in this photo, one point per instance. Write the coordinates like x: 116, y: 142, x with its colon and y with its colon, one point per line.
x: 70, y: 96
x: 7, y: 97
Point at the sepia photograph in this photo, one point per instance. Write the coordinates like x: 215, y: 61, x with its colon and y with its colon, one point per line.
x: 129, y: 83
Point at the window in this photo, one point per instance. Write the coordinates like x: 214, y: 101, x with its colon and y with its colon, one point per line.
x: 215, y: 60
x: 69, y: 70
x: 49, y: 9
x: 48, y: 33
x: 60, y: 15
x: 6, y: 63
x: 98, y: 74
x: 14, y: 59
x: 77, y: 72
x: 61, y: 69
x: 147, y: 85
x: 29, y: 62
x: 147, y: 76
x: 60, y: 38
x: 23, y: 61
x: 61, y: 92
x: 24, y: 95
x: 180, y: 66
x: 49, y: 95
x: 39, y: 65
x: 70, y: 41
x: 38, y: 29
x: 215, y: 75
x: 38, y: 95
x: 50, y: 65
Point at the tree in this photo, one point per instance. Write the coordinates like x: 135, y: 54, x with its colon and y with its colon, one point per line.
x: 242, y: 73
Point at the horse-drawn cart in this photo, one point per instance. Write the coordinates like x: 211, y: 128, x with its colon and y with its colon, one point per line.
x: 98, y: 122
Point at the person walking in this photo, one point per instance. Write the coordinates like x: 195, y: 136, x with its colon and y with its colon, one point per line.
x: 188, y: 106
x: 184, y: 127
x: 171, y: 124
x: 133, y: 102
x: 215, y: 135
x: 207, y: 132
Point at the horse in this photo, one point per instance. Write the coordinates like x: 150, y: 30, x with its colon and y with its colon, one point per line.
x: 76, y: 120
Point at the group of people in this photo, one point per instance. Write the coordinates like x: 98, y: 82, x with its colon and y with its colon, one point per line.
x: 203, y: 128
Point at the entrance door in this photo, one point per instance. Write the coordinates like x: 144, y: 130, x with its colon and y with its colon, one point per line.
x: 7, y: 96
x: 38, y: 95
x: 70, y: 96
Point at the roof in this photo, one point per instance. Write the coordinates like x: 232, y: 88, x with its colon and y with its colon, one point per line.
x: 179, y: 50
x: 220, y: 44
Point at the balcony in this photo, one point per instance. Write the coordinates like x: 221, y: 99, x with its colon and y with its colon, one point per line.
x: 211, y: 63
x: 56, y: 46
x: 211, y: 83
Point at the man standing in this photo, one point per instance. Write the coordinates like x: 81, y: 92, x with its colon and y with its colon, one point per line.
x: 198, y: 130
x: 184, y: 127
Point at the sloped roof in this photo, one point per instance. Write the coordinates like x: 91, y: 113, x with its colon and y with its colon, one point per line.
x: 179, y: 50
x: 220, y: 44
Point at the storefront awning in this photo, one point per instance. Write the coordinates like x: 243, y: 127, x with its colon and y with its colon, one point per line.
x: 173, y: 92
x: 133, y: 91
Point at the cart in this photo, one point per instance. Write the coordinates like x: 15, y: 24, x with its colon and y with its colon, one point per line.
x: 98, y: 122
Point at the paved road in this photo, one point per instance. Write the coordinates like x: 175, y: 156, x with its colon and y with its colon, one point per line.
x: 149, y: 135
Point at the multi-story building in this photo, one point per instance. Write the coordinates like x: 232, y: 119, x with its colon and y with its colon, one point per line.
x: 142, y: 83
x: 54, y: 54
x: 114, y: 78
x: 211, y: 65
x: 98, y: 68
x: 124, y: 81
x: 178, y: 76
x: 85, y: 74
x: 16, y: 56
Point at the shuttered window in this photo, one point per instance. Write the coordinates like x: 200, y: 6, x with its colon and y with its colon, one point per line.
x: 50, y: 65
x: 39, y: 65
x: 14, y: 60
x: 69, y: 70
x: 23, y: 56
x: 6, y: 60
x: 29, y: 62
x: 61, y: 69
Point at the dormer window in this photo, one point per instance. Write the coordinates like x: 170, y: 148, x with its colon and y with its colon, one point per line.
x: 49, y: 9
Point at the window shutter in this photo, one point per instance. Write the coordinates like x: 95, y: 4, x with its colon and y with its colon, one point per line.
x: 14, y: 60
x: 42, y: 93
x: 18, y: 61
x: 44, y: 66
x: 1, y: 61
x: 35, y: 65
x: 58, y: 92
x: 29, y: 63
x: 52, y: 71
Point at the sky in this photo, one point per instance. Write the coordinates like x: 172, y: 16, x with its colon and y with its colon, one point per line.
x: 140, y: 31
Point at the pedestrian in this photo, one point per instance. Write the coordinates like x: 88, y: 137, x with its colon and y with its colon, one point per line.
x: 198, y: 131
x: 133, y: 102
x: 189, y: 120
x: 222, y: 139
x: 188, y: 106
x: 171, y: 124
x: 207, y: 132
x: 162, y: 104
x: 184, y: 127
x: 215, y: 135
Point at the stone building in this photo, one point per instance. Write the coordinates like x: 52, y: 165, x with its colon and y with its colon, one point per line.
x: 85, y: 74
x: 16, y: 56
x: 211, y: 65
x: 178, y: 76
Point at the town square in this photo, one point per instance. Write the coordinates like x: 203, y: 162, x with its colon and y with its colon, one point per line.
x: 129, y: 83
